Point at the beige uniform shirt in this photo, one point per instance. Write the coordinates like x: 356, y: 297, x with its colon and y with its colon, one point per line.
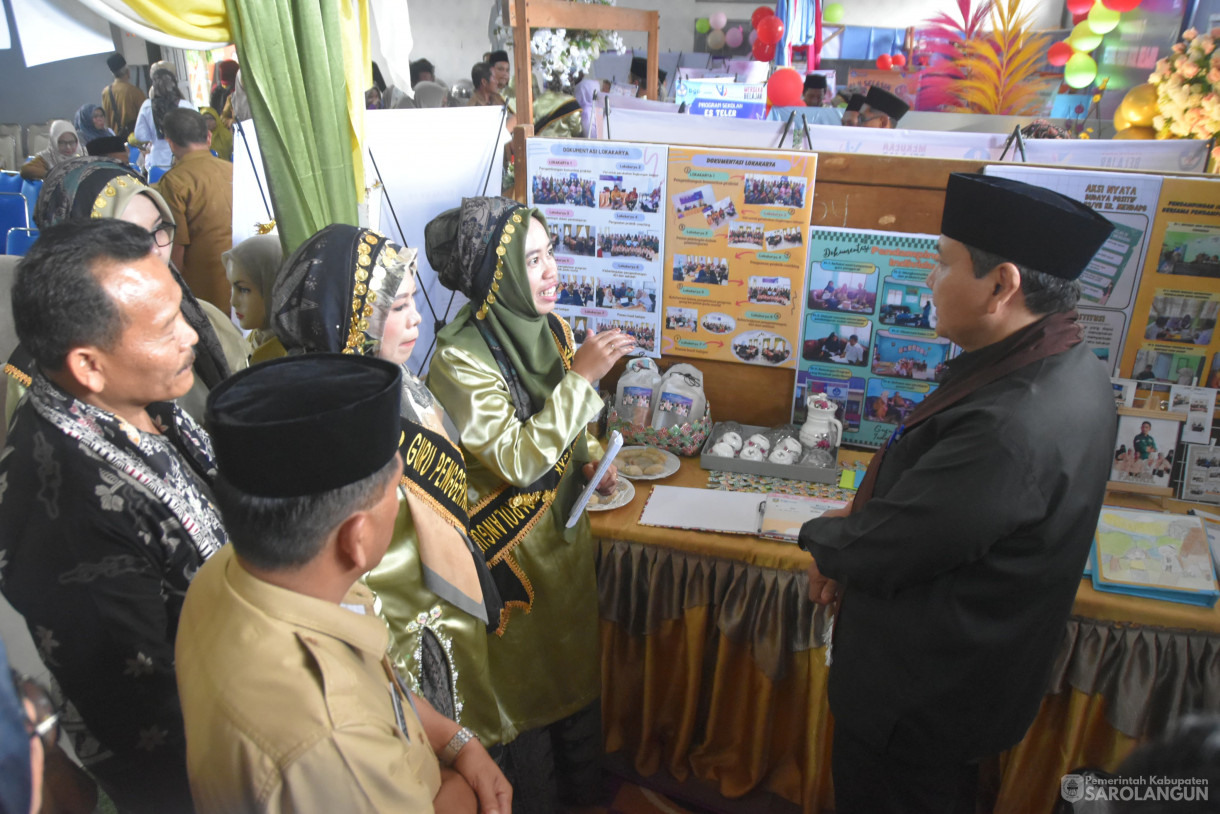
x: 199, y: 192
x: 287, y: 704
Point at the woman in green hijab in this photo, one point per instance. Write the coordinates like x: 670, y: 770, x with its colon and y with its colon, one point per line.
x: 521, y: 396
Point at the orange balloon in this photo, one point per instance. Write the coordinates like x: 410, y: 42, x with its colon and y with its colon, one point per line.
x: 1136, y: 133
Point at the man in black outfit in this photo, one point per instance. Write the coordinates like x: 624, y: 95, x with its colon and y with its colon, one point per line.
x: 960, y: 557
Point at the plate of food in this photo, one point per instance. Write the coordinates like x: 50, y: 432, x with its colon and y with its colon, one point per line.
x: 624, y: 492
x: 646, y: 463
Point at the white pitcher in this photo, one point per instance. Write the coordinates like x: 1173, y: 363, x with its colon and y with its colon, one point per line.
x: 821, y: 429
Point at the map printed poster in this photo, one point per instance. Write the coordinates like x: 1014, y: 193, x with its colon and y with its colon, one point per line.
x: 603, y: 203
x: 1172, y: 337
x: 736, y: 223
x: 1109, y: 282
x: 868, y: 340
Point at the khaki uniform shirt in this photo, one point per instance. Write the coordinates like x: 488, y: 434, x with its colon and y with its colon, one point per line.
x: 199, y: 192
x: 121, y: 101
x: 287, y: 703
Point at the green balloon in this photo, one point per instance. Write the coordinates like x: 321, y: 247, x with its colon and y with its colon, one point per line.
x: 702, y: 25
x: 1102, y: 20
x: 833, y: 13
x: 1083, y: 38
x: 1080, y: 71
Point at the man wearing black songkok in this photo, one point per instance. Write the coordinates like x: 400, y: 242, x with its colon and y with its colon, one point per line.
x: 881, y: 109
x: 959, y: 559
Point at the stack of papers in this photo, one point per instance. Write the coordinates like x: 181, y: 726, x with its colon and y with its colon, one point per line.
x: 1156, y: 555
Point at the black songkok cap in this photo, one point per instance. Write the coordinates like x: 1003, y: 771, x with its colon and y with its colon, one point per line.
x: 302, y: 425
x: 886, y: 102
x: 1025, y: 224
x: 105, y: 145
x: 115, y: 62
x: 815, y: 81
x: 855, y: 102
x: 497, y: 56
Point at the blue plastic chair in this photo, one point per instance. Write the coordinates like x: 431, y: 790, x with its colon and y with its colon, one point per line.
x: 10, y: 181
x: 30, y: 190
x: 133, y: 154
x: 13, y: 212
x: 155, y: 173
x: 20, y: 240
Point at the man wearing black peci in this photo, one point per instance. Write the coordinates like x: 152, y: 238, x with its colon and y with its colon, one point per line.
x: 958, y: 562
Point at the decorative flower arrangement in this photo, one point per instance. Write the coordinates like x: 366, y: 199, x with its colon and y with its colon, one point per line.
x: 1188, y: 89
x: 565, y: 54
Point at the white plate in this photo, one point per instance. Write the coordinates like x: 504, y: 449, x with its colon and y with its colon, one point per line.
x: 624, y: 493
x: 671, y: 463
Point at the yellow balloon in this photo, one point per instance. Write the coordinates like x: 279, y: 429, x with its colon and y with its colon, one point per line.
x: 1139, y: 105
x: 1121, y: 122
x: 1136, y: 133
x: 1083, y: 38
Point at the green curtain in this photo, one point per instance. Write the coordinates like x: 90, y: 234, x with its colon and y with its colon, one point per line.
x: 294, y: 57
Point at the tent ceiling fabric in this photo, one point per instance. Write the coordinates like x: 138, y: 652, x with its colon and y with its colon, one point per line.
x: 198, y: 20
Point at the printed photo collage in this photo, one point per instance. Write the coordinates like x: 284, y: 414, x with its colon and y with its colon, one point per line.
x: 869, y: 340
x: 604, y: 214
x: 735, y: 255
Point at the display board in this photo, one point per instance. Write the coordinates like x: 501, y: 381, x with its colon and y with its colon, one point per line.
x: 603, y: 203
x: 1178, y: 301
x: 735, y: 254
x: 869, y: 341
x: 1109, y: 283
x: 722, y: 98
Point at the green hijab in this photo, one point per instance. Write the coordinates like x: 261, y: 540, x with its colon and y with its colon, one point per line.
x: 479, y: 249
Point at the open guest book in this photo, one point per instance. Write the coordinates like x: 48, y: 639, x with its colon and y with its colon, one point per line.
x: 776, y: 516
x: 1158, y: 555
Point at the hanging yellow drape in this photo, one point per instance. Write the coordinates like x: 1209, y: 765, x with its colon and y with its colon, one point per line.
x: 296, y: 144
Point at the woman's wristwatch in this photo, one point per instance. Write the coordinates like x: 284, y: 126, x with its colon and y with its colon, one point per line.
x: 460, y: 738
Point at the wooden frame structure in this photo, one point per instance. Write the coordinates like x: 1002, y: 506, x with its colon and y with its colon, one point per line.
x: 566, y: 14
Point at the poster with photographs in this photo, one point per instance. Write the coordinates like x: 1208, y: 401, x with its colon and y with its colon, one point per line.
x: 1109, y: 283
x: 1144, y: 449
x: 603, y: 205
x: 868, y: 340
x: 735, y: 254
x: 1199, y: 405
x: 1201, y: 476
x: 1175, y: 311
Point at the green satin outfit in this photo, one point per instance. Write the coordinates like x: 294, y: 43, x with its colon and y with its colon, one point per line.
x: 547, y: 663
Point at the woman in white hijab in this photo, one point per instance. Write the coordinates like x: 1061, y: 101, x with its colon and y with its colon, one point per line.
x: 64, y: 145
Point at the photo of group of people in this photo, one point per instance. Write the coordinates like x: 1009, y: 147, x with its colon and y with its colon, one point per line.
x: 628, y: 295
x: 718, y: 214
x: 761, y: 347
x: 718, y: 323
x: 785, y: 238
x: 1191, y: 250
x: 576, y: 239
x: 770, y: 291
x: 841, y: 290
x: 744, y: 235
x: 775, y: 190
x: 645, y: 335
x: 618, y: 196
x: 889, y: 405
x: 908, y: 358
x: 908, y: 306
x: 1173, y: 366
x: 1185, y: 319
x: 1145, y: 450
x: 693, y: 200
x: 704, y: 270
x: 630, y: 244
x: 682, y: 319
x: 1201, y: 482
x: 576, y: 290
x: 837, y: 344
x: 570, y: 190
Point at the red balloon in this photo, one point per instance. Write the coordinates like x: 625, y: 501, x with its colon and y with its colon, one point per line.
x: 1120, y: 5
x: 1060, y: 53
x: 770, y: 29
x: 885, y: 62
x: 784, y: 87
x: 899, y: 60
x: 1079, y: 18
x: 763, y: 51
x: 761, y: 13
x: 1079, y: 6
